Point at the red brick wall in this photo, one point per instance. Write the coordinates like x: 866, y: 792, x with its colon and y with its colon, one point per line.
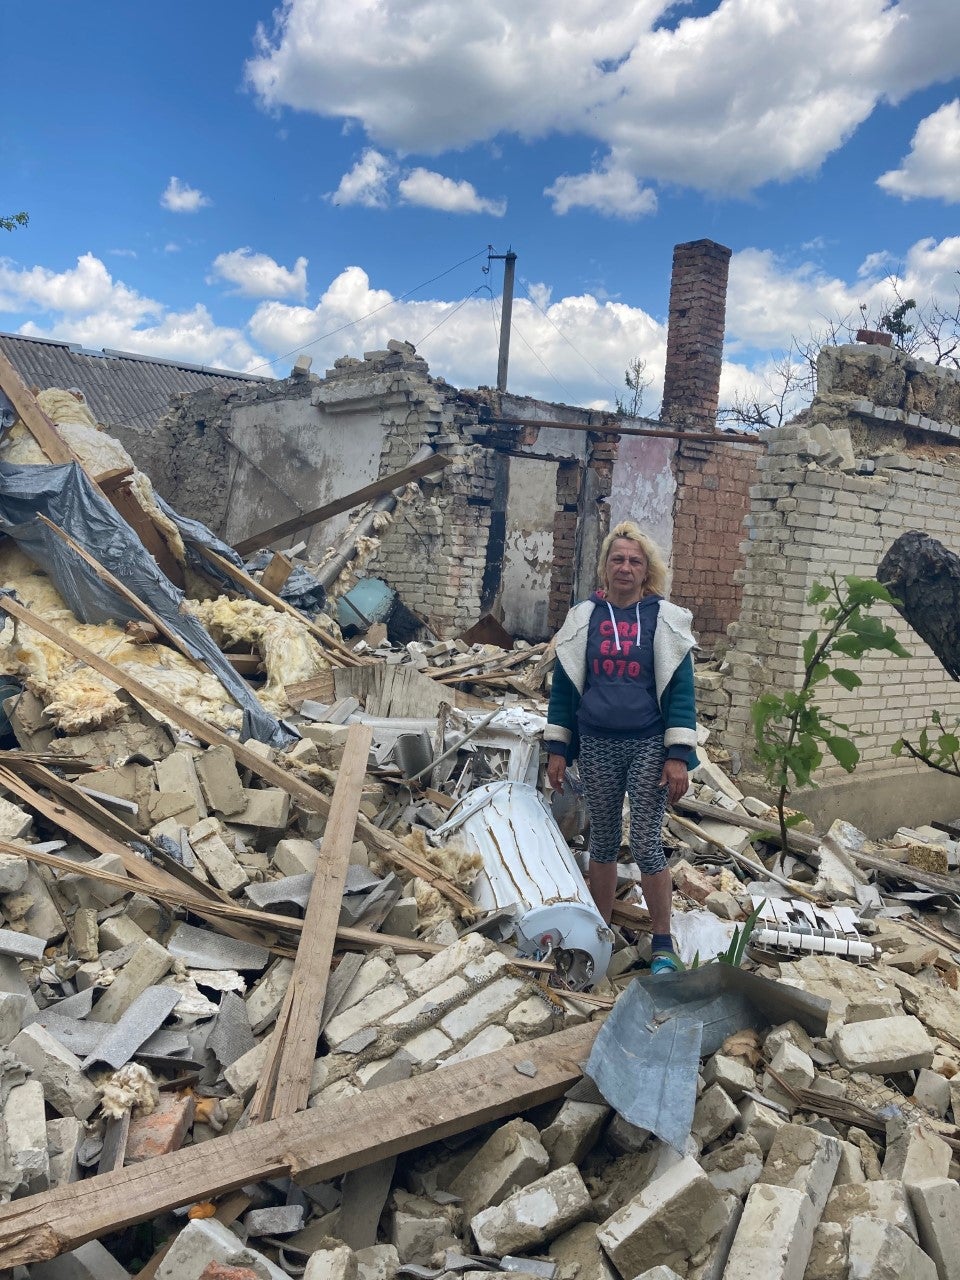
x: 711, y: 501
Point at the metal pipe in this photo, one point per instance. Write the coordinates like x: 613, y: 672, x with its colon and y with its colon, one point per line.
x: 612, y: 429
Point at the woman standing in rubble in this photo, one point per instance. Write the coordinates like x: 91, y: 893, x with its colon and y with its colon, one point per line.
x: 622, y: 702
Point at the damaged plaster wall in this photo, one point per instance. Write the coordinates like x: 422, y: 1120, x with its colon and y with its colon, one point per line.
x: 835, y: 489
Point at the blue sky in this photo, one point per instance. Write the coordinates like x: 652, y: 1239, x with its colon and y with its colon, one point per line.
x: 226, y: 182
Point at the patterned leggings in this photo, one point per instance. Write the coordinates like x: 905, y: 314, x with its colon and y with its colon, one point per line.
x: 611, y: 768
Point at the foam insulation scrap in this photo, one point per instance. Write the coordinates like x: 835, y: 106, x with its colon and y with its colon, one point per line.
x: 131, y: 1087
x: 76, y: 698
x: 98, y: 451
x: 290, y: 653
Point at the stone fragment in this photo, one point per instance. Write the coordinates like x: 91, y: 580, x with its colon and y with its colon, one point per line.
x: 884, y: 1200
x: 489, y: 1040
x: 15, y: 823
x: 25, y: 1133
x: 850, y: 1168
x: 672, y: 1217
x: 339, y: 1263
x: 936, y: 1207
x: 65, y: 1087
x: 881, y: 1251
x: 578, y: 1254
x: 21, y: 945
x: 265, y: 807
x: 714, y: 1114
x: 13, y: 872
x: 828, y: 1257
x: 265, y: 998
x: 416, y: 1239
x: 377, y: 1262
x: 148, y: 965
x: 296, y: 857
x: 490, y: 1004
x: 914, y: 1152
x: 277, y: 1220
x: 774, y: 1237
x: 534, y: 1214
x: 163, y: 1130
x: 370, y: 1011
x: 760, y: 1121
x: 805, y: 1160
x: 575, y: 1129
x: 205, y: 1240
x: 64, y: 1137
x: 512, y: 1157
x: 439, y: 968
x: 734, y: 1167
x: 216, y: 857
x: 732, y: 1074
x: 177, y: 776
x: 795, y: 1067
x: 884, y: 1046
x: 219, y: 781
x: 932, y: 1092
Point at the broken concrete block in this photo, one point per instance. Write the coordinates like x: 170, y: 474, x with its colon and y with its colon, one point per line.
x: 795, y: 1068
x: 64, y: 1137
x: 15, y: 823
x: 86, y: 890
x: 296, y: 857
x: 533, y: 1214
x: 850, y: 1168
x: 339, y: 1263
x: 148, y: 965
x: 884, y: 1046
x: 489, y: 1004
x: 732, y: 1074
x: 119, y: 931
x: 13, y: 1007
x: 267, y: 807
x: 884, y: 1200
x: 90, y: 1261
x: 914, y: 1152
x: 32, y: 910
x: 575, y: 1129
x: 205, y: 1240
x: 932, y: 1092
x: 512, y: 1157
x: 828, y: 1256
x: 276, y: 1220
x: 25, y: 1131
x: 774, y: 1237
x: 659, y: 1273
x: 936, y: 1207
x: 65, y: 1088
x: 760, y: 1122
x: 438, y: 968
x: 163, y: 1130
x: 377, y: 1262
x: 531, y: 1018
x: 715, y: 1113
x: 734, y: 1167
x: 804, y: 1159
x: 371, y: 1010
x: 216, y: 857
x: 672, y: 1217
x: 21, y: 945
x: 177, y: 775
x: 13, y: 872
x: 416, y: 1239
x: 219, y: 781
x: 881, y: 1251
x: 577, y: 1253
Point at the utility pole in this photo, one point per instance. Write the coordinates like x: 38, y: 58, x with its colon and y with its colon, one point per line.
x: 509, y: 260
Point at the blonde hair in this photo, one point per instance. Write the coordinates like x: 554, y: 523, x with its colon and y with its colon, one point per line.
x: 657, y: 581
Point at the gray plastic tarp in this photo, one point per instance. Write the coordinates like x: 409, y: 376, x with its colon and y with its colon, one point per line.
x: 65, y: 495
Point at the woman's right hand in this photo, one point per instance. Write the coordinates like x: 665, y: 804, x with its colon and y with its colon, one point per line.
x: 556, y: 771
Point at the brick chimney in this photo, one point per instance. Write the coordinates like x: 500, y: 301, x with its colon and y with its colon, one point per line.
x: 698, y: 302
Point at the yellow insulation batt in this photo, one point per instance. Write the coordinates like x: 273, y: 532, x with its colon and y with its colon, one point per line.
x: 290, y: 653
x: 98, y: 451
x: 76, y: 698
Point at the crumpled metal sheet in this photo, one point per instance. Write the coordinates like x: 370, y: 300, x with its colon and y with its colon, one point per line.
x: 65, y: 496
x: 646, y: 1057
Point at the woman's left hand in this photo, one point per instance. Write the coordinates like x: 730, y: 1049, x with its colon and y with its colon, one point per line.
x: 675, y: 779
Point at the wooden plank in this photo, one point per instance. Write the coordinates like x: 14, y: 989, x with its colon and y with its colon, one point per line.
x: 42, y: 428
x: 369, y: 491
x: 314, y: 801
x: 319, y: 688
x: 126, y: 505
x: 107, y: 481
x: 795, y: 839
x: 277, y: 572
x: 131, y: 598
x: 284, y: 1085
x: 310, y: 1146
x: 259, y: 592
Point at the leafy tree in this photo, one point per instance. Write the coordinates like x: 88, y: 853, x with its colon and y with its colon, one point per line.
x: 791, y: 728
x: 14, y: 220
x: 937, y: 747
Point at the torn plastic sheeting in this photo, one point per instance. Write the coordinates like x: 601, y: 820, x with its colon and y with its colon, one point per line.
x: 647, y: 1054
x: 528, y: 868
x: 65, y: 496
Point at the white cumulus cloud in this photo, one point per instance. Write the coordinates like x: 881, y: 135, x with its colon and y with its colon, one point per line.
x: 366, y: 183
x: 434, y: 191
x: 178, y: 197
x: 612, y: 192
x: 752, y: 92
x: 932, y: 167
x: 257, y: 275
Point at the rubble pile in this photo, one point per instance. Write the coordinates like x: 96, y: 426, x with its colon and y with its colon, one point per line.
x: 259, y: 1019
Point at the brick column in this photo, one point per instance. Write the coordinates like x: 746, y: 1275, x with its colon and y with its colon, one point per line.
x: 698, y: 301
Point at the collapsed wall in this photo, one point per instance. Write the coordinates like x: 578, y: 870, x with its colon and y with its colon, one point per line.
x: 866, y: 462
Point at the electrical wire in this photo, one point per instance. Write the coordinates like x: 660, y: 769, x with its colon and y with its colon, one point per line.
x: 537, y: 356
x: 567, y: 340
x: 420, y: 341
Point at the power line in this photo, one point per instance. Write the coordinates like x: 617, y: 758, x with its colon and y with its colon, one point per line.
x: 568, y: 340
x: 441, y: 323
x: 537, y: 356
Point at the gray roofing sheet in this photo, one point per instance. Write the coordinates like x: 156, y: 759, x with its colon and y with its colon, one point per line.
x: 120, y: 387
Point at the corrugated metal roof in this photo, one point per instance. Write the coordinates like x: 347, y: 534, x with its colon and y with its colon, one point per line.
x: 121, y: 388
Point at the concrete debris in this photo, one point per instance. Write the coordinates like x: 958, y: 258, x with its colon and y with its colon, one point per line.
x: 151, y: 955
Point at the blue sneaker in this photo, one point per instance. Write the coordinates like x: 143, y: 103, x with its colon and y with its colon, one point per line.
x: 664, y: 962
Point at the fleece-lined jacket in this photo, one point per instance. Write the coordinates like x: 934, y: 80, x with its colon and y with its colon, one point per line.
x: 673, y: 645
